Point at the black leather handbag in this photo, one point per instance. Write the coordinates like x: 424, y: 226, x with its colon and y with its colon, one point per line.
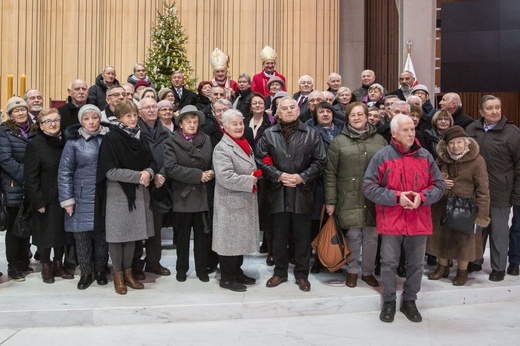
x: 460, y: 214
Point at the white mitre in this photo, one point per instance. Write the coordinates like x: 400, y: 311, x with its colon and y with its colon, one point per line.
x: 218, y: 59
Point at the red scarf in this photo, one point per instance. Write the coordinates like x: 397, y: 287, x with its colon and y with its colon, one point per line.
x: 244, y: 145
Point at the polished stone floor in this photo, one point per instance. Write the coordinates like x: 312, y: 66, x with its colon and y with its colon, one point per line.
x: 167, y: 312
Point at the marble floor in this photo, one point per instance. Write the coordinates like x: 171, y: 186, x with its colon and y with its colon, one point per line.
x: 167, y: 312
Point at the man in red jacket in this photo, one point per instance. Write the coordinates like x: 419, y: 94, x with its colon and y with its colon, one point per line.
x: 403, y: 181
x: 259, y: 84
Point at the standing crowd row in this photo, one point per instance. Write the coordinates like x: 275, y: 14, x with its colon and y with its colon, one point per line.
x: 105, y: 172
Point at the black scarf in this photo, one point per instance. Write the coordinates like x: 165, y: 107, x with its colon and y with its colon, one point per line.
x: 288, y: 129
x: 120, y: 150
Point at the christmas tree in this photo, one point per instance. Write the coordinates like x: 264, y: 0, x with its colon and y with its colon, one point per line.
x: 168, y: 51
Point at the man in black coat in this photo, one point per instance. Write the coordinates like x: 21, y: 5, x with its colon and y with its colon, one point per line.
x: 406, y: 80
x: 183, y: 96
x: 244, y: 95
x: 153, y: 135
x: 97, y: 92
x: 451, y: 102
x: 291, y: 156
x: 77, y: 90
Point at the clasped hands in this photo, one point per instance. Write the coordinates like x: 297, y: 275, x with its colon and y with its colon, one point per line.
x: 290, y: 180
x: 207, y: 176
x: 410, y: 200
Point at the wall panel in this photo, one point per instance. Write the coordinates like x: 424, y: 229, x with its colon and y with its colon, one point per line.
x: 56, y: 41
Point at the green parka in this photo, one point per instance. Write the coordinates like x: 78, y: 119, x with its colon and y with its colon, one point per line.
x: 347, y: 159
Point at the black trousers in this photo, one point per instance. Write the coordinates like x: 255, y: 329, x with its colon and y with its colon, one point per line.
x: 152, y: 245
x: 92, y: 251
x: 184, y: 222
x: 230, y: 267
x: 16, y: 249
x: 301, y: 227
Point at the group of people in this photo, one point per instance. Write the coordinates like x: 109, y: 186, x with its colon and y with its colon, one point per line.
x: 105, y: 172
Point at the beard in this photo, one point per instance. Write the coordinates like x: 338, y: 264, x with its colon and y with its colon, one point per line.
x: 405, y: 88
x: 36, y: 109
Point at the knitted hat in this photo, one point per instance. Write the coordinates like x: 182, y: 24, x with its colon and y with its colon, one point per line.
x: 279, y: 95
x: 15, y: 102
x: 190, y: 109
x: 275, y: 79
x: 88, y: 108
x: 141, y: 82
x: 420, y: 87
x: 165, y: 103
x: 163, y: 92
x: 454, y: 132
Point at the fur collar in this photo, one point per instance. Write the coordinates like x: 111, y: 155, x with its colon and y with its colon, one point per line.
x: 15, y: 129
x: 442, y: 150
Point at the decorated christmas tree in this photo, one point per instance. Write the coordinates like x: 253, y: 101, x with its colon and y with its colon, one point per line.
x: 168, y: 50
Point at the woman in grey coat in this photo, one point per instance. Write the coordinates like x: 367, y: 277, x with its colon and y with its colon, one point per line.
x: 235, y: 221
x: 122, y: 207
x: 187, y: 161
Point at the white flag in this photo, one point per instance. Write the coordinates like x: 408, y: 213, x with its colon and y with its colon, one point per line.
x: 408, y: 66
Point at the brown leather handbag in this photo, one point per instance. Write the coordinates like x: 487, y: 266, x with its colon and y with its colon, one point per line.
x: 330, y: 244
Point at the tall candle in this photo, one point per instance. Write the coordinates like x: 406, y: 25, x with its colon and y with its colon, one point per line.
x: 9, y: 86
x: 22, y: 85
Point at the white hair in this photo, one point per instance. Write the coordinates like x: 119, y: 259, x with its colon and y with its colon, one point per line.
x: 333, y: 75
x: 394, y: 123
x: 306, y: 76
x: 230, y: 113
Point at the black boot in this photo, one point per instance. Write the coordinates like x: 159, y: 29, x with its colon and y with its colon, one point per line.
x: 84, y: 281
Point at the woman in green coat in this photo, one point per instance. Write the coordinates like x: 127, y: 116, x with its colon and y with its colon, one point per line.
x: 347, y: 159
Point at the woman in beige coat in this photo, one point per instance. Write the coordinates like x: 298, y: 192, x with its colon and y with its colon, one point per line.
x: 235, y: 221
x: 466, y: 177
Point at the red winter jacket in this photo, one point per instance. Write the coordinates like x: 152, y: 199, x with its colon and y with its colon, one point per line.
x: 391, y: 171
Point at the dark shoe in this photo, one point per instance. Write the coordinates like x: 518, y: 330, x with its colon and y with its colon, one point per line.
x: 431, y: 260
x: 275, y: 281
x: 440, y: 272
x: 497, y: 275
x: 15, y: 274
x: 351, y: 280
x: 131, y: 281
x: 47, y: 275
x: 27, y: 270
x: 101, y: 278
x: 450, y: 263
x: 377, y: 270
x: 474, y: 267
x: 461, y: 278
x: 409, y: 309
x: 138, y: 274
x: 59, y: 271
x: 246, y: 280
x: 158, y: 269
x: 292, y: 260
x: 513, y: 269
x: 387, y: 312
x: 316, y: 267
x: 401, y: 271
x: 303, y: 284
x: 263, y: 248
x: 370, y: 280
x: 203, y: 277
x: 119, y: 283
x: 84, y: 281
x: 37, y: 255
x: 180, y: 277
x: 233, y: 286
x: 211, y: 269
x: 270, y: 260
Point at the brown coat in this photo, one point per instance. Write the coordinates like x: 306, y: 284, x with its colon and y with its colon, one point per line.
x: 470, y: 179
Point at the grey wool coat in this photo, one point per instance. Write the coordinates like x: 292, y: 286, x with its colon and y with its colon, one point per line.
x: 235, y: 219
x: 121, y: 225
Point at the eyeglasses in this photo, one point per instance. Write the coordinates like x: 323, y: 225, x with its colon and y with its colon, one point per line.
x: 356, y: 115
x: 50, y: 121
x: 165, y: 109
x: 149, y: 108
x: 118, y: 94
